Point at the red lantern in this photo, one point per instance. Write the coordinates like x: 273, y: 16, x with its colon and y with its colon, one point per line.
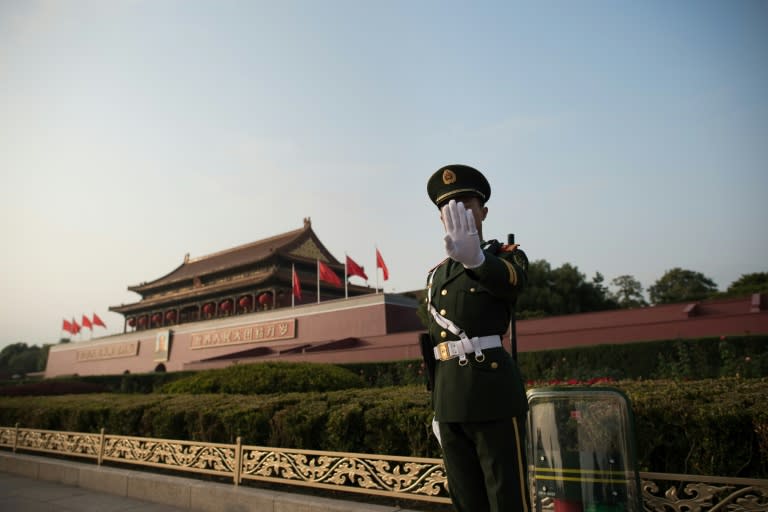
x: 225, y: 305
x: 265, y: 299
x: 142, y: 321
x: 245, y: 301
x: 170, y: 315
x: 208, y: 308
x: 132, y: 322
x: 156, y: 318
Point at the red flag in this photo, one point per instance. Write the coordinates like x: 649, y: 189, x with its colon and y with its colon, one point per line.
x: 87, y: 323
x: 353, y: 269
x: 75, y: 327
x: 326, y: 274
x: 66, y: 326
x: 97, y: 321
x: 296, y: 285
x: 380, y: 264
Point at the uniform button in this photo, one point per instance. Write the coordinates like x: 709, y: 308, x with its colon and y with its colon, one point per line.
x: 494, y: 365
x: 472, y: 290
x: 444, y: 292
x: 443, y: 334
x: 442, y: 312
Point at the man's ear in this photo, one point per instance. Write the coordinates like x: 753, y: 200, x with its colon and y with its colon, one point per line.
x: 485, y: 212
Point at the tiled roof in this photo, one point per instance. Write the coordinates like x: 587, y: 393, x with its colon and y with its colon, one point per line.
x: 192, y: 294
x: 235, y: 257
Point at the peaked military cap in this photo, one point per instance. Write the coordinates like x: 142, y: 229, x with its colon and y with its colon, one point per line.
x: 457, y: 180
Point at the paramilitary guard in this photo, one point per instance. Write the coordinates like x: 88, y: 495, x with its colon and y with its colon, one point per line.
x: 478, y: 393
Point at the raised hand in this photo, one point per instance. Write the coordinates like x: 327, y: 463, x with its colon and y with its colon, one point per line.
x: 462, y: 241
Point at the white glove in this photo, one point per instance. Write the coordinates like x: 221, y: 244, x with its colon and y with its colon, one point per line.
x: 436, y: 431
x: 462, y: 242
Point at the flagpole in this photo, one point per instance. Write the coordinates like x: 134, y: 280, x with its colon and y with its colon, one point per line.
x: 317, y: 267
x: 293, y: 292
x: 346, y: 282
x: 377, y: 271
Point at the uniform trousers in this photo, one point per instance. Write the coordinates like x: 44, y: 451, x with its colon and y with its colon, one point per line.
x: 486, y: 465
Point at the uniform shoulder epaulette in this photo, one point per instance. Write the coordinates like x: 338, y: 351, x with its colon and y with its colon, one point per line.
x: 517, y: 255
x: 492, y: 246
x: 509, y: 247
x: 433, y: 268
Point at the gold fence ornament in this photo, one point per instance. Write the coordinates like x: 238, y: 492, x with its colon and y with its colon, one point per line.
x: 397, y: 477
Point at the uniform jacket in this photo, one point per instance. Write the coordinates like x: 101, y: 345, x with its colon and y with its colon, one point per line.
x: 478, y: 301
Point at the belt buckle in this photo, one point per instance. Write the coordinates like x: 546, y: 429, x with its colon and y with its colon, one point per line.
x: 443, y: 348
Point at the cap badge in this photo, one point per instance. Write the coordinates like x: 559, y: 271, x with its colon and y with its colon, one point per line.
x: 449, y: 177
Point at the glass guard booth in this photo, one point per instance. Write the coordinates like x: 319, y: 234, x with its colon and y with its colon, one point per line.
x: 581, y: 451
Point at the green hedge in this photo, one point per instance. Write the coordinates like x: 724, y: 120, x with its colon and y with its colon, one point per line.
x: 744, y: 356
x: 125, y: 383
x: 264, y: 378
x: 708, y: 427
x: 711, y: 427
x: 385, y: 420
x: 706, y: 358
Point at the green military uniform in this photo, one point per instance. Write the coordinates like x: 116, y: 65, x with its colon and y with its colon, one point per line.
x: 479, y: 396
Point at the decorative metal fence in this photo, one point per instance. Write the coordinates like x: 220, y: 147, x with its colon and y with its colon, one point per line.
x: 410, y: 478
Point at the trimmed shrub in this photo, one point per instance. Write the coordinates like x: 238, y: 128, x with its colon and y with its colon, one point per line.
x: 265, y: 378
x: 126, y: 383
x: 53, y: 387
x: 707, y: 358
x: 707, y: 427
x: 712, y: 427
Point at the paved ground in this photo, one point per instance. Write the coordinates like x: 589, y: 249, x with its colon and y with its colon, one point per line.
x: 20, y: 494
x: 31, y: 483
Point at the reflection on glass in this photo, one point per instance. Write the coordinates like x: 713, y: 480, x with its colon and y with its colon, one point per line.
x: 582, y: 444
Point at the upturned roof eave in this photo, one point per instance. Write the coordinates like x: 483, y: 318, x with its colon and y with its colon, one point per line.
x: 197, y: 293
x: 291, y: 237
x: 276, y: 273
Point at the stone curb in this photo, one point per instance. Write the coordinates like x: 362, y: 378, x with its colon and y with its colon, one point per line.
x: 180, y: 492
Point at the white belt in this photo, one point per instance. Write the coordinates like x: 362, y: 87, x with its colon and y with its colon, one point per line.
x: 451, y: 349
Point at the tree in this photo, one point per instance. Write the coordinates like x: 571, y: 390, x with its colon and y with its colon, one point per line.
x: 10, y: 351
x: 26, y: 362
x: 21, y: 358
x: 561, y: 291
x: 595, y: 295
x: 756, y: 282
x: 629, y: 293
x: 680, y: 285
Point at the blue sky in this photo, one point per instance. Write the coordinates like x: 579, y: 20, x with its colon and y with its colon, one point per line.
x: 620, y: 137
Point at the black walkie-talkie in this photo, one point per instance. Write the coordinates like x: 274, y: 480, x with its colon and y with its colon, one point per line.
x: 512, y: 322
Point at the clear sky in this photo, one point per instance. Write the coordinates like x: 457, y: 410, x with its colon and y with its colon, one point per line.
x: 620, y: 137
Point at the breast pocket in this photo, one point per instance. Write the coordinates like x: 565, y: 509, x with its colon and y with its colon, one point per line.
x: 480, y: 313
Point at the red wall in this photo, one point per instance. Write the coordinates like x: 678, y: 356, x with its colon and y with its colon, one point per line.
x: 386, y: 328
x: 724, y: 317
